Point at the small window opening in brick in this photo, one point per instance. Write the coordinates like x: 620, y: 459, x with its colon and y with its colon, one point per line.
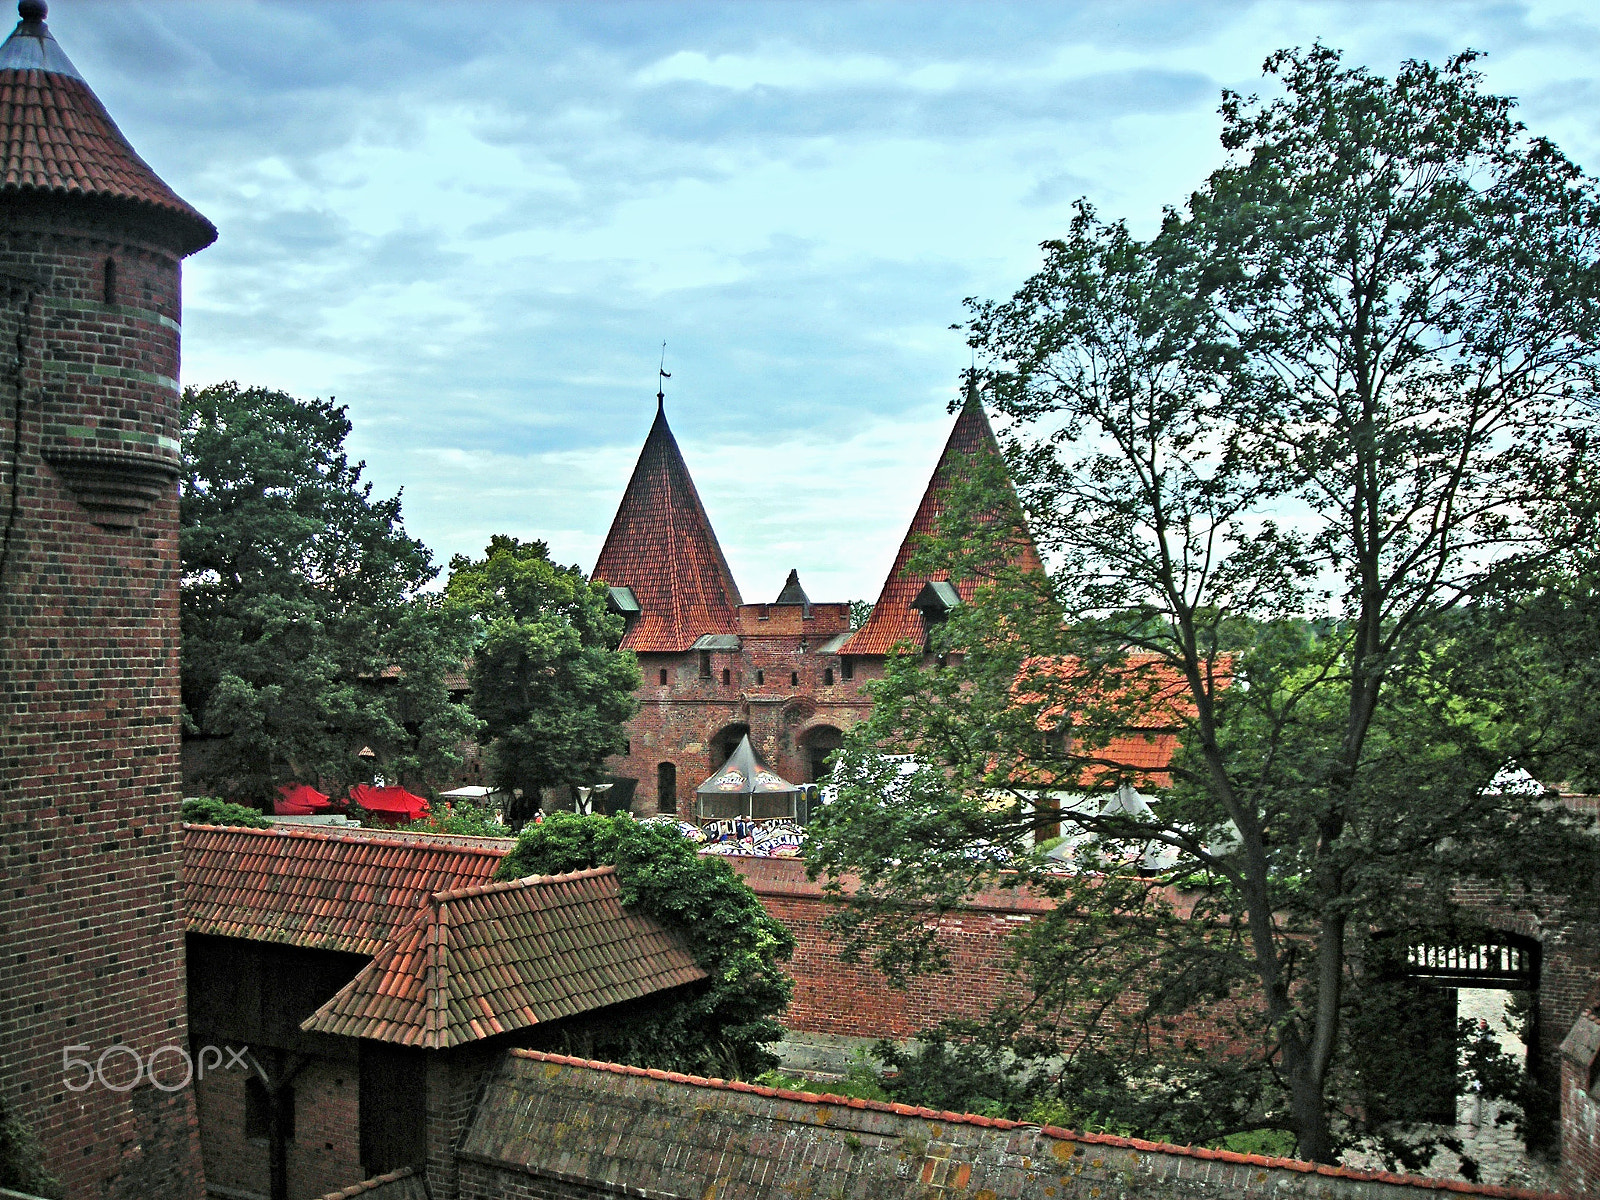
x: 827, y: 676
x: 847, y: 668
x: 663, y: 677
x: 727, y: 677
x: 761, y: 677
x: 705, y: 664
x: 111, y: 281
x: 627, y: 745
x: 794, y: 678
x: 258, y: 1110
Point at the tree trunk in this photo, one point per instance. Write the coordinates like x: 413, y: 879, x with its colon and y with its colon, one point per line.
x: 1308, y: 1110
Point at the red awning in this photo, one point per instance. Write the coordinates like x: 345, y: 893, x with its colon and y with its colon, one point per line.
x: 300, y: 800
x: 393, y: 805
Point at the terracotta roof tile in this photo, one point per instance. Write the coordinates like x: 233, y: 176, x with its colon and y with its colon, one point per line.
x: 59, y: 140
x: 485, y: 960
x: 893, y: 619
x: 1149, y: 697
x: 662, y: 546
x: 326, y: 891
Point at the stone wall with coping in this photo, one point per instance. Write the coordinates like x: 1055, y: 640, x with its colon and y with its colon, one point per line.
x: 555, y: 1128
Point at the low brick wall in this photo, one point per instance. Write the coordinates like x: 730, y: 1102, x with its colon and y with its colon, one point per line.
x: 846, y: 1000
x: 1580, y: 1109
x: 550, y: 1126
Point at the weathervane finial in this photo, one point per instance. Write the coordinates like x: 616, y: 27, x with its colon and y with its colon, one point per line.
x: 662, y: 375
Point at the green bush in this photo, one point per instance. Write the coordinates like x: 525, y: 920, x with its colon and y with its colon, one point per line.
x: 860, y: 1082
x: 464, y: 819
x: 721, y: 1028
x: 208, y: 810
x: 20, y: 1160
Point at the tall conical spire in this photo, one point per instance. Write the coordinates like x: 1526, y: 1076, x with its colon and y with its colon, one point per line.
x: 894, y: 618
x: 57, y: 140
x: 662, y: 546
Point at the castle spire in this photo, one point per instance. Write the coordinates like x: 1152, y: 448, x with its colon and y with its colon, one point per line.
x: 895, y: 618
x: 661, y: 545
x: 662, y: 375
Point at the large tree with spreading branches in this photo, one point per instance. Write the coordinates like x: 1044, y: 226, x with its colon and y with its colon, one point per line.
x: 1299, y: 460
x: 306, y: 633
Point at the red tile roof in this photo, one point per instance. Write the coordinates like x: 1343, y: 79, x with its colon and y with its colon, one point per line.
x: 662, y: 546
x: 893, y: 619
x: 1143, y: 698
x: 325, y: 891
x: 505, y: 956
x: 59, y: 139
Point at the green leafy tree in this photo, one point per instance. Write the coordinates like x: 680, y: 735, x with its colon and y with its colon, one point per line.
x: 305, y: 637
x: 1290, y: 455
x: 722, y: 1028
x: 548, y: 681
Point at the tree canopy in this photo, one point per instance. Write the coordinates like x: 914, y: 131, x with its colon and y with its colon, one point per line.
x: 1295, y: 458
x: 305, y: 635
x: 548, y: 681
x: 721, y: 1029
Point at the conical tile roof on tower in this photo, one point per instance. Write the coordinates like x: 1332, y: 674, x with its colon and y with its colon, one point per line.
x: 895, y: 618
x: 59, y: 141
x: 662, y: 546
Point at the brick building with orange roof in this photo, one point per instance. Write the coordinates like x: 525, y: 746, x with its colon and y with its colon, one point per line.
x: 787, y: 673
x: 91, y: 246
x: 359, y: 986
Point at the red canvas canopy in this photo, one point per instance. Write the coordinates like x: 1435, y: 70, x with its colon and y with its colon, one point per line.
x: 393, y: 805
x: 300, y: 800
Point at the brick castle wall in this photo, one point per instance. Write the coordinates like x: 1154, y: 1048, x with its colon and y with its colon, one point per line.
x: 1580, y: 1130
x: 324, y: 1154
x: 788, y: 707
x: 89, y: 695
x: 854, y: 1000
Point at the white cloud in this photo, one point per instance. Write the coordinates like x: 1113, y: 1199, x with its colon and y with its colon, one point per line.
x: 475, y: 224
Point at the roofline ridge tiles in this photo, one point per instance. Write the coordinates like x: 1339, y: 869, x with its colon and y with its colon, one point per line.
x: 372, y: 838
x: 1055, y: 1131
x: 526, y: 881
x: 436, y: 1032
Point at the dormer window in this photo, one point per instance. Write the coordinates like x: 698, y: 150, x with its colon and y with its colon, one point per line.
x: 934, y: 602
x: 622, y: 602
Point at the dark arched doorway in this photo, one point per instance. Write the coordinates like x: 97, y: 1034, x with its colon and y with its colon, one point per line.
x: 820, y: 743
x: 667, y: 788
x: 726, y: 742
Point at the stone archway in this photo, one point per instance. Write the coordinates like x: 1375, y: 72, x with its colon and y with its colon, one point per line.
x: 818, y: 744
x: 725, y: 741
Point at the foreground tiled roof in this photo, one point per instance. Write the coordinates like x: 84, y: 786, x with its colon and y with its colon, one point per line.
x: 59, y: 140
x: 893, y: 619
x: 662, y: 546
x: 632, y: 1131
x: 487, y: 960
x: 328, y: 891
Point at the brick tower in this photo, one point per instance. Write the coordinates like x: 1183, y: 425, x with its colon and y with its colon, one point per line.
x: 90, y: 246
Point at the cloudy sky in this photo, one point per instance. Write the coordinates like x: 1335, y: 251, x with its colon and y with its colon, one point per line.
x: 475, y: 224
